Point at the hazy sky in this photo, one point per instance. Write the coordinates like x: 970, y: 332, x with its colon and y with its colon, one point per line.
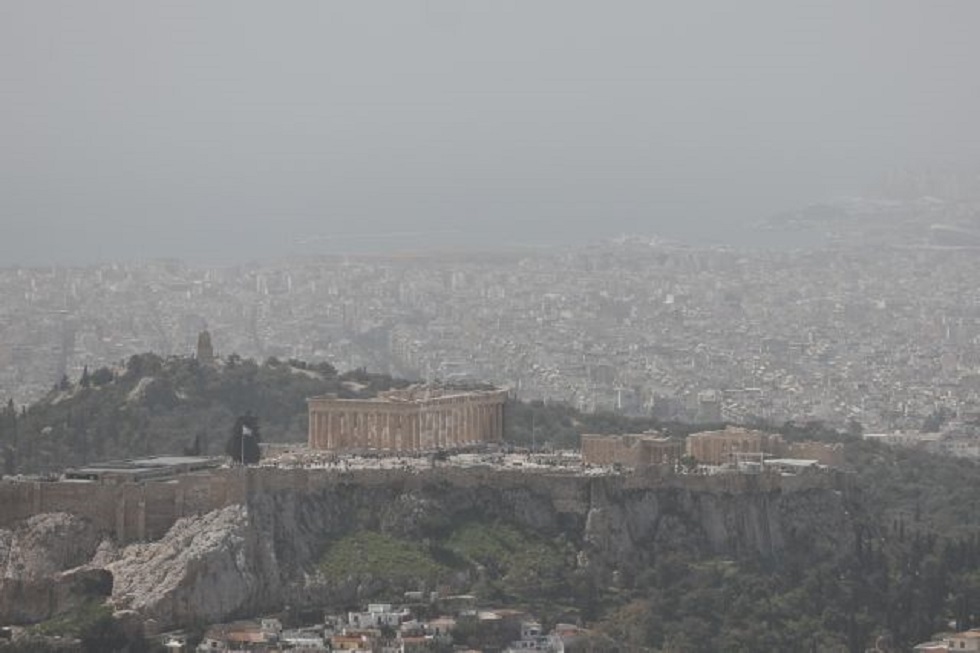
x: 229, y: 130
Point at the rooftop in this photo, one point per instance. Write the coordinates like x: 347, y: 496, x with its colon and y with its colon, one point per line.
x: 141, y: 468
x: 421, y: 393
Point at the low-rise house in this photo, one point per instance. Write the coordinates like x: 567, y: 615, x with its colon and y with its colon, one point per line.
x: 966, y: 641
x: 377, y: 615
x: 411, y: 628
x: 931, y: 647
x: 353, y: 643
x: 415, y: 644
x: 304, y: 640
x: 173, y: 642
x: 271, y: 629
x: 533, y: 638
x: 440, y: 626
x: 238, y: 636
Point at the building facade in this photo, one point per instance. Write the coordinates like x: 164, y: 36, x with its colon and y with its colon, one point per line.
x: 721, y: 447
x: 635, y: 450
x: 417, y: 418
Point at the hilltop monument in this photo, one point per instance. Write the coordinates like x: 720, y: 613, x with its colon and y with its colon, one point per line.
x: 416, y: 418
x: 205, y: 352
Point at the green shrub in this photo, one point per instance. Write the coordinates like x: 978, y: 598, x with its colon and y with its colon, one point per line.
x: 381, y: 556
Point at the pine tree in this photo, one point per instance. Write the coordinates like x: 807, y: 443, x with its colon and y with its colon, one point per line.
x: 243, y: 445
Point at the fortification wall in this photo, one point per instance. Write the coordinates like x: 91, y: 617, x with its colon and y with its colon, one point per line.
x: 128, y: 511
x: 145, y: 511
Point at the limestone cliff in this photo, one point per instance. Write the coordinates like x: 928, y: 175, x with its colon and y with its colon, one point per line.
x: 204, y: 568
x: 247, y: 559
x: 617, y: 523
x: 38, y: 561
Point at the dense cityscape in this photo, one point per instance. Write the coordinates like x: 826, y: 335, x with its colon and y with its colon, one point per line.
x: 489, y: 327
x: 879, y: 330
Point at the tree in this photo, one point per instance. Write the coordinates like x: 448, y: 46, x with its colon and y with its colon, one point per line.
x: 8, y: 437
x: 243, y: 445
x: 140, y: 365
x: 101, y: 376
x: 105, y: 634
x: 196, y: 447
x: 935, y: 421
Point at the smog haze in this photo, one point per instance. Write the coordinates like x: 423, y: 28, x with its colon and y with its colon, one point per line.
x: 223, y: 131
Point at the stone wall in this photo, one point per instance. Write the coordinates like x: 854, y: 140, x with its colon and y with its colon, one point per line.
x: 145, y: 511
x: 128, y: 511
x: 257, y: 558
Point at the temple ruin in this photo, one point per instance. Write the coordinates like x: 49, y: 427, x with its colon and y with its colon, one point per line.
x: 417, y: 418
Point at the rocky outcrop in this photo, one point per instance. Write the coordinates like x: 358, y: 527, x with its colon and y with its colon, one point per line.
x: 247, y: 559
x: 205, y: 568
x: 38, y: 560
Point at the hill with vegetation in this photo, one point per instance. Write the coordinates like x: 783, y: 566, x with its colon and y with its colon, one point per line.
x: 893, y: 558
x: 907, y: 567
x: 152, y: 405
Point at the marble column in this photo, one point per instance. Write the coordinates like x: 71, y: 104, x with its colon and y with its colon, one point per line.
x: 459, y: 420
x: 452, y: 435
x: 471, y: 430
x: 444, y: 426
x: 499, y: 435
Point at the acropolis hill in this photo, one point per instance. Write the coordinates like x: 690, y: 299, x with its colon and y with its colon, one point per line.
x: 181, y: 539
x: 279, y: 520
x: 143, y: 509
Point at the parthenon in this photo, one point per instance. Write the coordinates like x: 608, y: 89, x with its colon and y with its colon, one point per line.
x: 416, y: 418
